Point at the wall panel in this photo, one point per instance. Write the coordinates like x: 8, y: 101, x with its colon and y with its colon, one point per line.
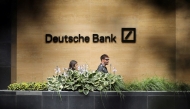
x: 153, y: 54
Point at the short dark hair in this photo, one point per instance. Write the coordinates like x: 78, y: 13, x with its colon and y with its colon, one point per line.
x: 72, y: 64
x: 104, y: 56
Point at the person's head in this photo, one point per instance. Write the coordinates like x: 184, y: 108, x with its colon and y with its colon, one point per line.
x: 104, y: 59
x: 73, y: 65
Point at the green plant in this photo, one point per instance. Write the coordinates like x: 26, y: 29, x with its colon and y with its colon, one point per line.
x: 85, y: 82
x: 156, y: 84
x: 28, y: 86
x: 182, y: 86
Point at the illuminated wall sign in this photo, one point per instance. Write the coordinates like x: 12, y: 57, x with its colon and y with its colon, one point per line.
x: 96, y: 38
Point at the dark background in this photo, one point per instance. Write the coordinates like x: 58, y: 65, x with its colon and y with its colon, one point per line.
x: 7, y: 11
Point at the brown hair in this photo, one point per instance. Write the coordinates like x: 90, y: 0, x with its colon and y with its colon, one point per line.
x: 104, y: 56
x: 72, y: 64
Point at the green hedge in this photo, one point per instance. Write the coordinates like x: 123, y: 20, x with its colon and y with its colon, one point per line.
x: 157, y: 84
x: 96, y: 81
x: 29, y: 86
x: 75, y: 81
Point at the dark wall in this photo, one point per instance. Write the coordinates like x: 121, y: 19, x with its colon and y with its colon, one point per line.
x: 5, y: 43
x: 94, y: 100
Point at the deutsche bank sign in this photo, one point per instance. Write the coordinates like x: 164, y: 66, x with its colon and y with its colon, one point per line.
x: 96, y: 38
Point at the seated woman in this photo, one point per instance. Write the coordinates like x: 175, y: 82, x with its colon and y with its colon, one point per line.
x: 73, y: 65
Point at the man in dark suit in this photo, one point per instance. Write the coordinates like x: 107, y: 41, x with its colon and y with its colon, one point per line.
x: 104, y: 61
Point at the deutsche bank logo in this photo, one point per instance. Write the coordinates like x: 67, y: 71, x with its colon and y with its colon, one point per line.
x: 128, y: 35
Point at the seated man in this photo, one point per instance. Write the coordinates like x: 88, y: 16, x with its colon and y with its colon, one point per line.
x: 104, y: 61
